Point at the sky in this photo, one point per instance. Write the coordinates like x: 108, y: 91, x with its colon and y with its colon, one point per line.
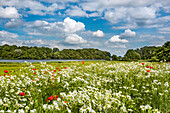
x: 109, y: 25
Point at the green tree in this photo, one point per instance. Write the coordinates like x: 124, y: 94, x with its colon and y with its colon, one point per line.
x: 132, y: 55
x: 114, y: 57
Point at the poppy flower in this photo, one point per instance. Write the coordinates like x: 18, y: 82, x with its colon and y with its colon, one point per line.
x: 39, y: 79
x: 34, y: 69
x: 147, y: 66
x: 56, y: 97
x: 5, y: 71
x: 57, y: 68
x: 83, y: 62
x: 54, y: 70
x: 50, y: 98
x: 34, y: 73
x: 64, y: 101
x: 22, y: 94
x: 142, y: 63
x: 148, y: 70
x: 151, y: 67
x: 65, y: 67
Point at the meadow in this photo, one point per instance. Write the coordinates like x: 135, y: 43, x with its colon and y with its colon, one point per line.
x: 87, y: 87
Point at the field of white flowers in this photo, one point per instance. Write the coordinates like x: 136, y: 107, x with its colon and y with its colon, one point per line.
x: 99, y: 87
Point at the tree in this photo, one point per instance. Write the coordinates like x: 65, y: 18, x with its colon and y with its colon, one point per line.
x: 114, y: 57
x: 132, y: 55
x: 107, y: 58
x: 55, y: 50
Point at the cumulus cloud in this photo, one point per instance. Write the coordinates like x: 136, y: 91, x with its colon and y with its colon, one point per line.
x: 13, y: 23
x: 74, y: 39
x: 60, y: 29
x: 7, y: 35
x: 128, y: 34
x: 76, y: 11
x: 98, y: 33
x: 116, y: 38
x: 72, y: 26
x: 35, y: 7
x: 9, y: 12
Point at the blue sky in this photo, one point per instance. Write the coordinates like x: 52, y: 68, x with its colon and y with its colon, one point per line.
x: 110, y: 25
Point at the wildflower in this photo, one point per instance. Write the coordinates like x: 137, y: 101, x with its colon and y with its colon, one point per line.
x: 22, y: 94
x: 50, y: 98
x: 148, y: 70
x: 34, y: 73
x: 142, y: 63
x: 5, y: 71
x: 21, y: 111
x: 65, y: 67
x: 147, y: 66
x: 1, y: 102
x: 12, y: 90
x: 54, y: 70
x: 34, y: 69
x: 148, y: 107
x: 166, y: 84
x: 83, y: 62
x: 56, y: 97
x: 151, y: 67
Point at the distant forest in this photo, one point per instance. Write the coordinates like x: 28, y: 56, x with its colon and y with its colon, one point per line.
x: 25, y: 52
x: 148, y: 53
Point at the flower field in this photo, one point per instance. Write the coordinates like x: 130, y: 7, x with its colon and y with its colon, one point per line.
x: 97, y: 87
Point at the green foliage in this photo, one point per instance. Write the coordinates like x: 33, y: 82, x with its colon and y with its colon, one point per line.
x: 132, y: 55
x: 107, y: 58
x: 150, y: 53
x: 114, y: 57
x: 24, y: 52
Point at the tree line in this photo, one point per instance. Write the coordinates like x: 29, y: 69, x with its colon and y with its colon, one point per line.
x: 148, y: 53
x: 25, y: 52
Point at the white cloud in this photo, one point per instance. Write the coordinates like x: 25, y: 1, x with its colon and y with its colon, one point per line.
x: 164, y: 30
x: 98, y: 33
x: 9, y: 12
x: 116, y: 38
x: 59, y: 29
x: 74, y: 39
x: 5, y: 35
x: 128, y: 34
x: 116, y: 15
x: 13, y: 23
x: 36, y: 7
x: 73, y: 26
x: 76, y: 11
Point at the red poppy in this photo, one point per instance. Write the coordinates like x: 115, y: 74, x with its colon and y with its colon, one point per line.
x: 64, y: 101
x: 147, y: 66
x: 56, y: 97
x: 142, y: 63
x: 57, y: 68
x: 151, y: 67
x: 65, y: 67
x: 54, y: 70
x: 148, y: 70
x: 5, y: 71
x: 39, y: 79
x: 34, y: 73
x: 83, y: 62
x: 34, y: 69
x: 52, y: 76
x: 50, y: 98
x: 22, y: 94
